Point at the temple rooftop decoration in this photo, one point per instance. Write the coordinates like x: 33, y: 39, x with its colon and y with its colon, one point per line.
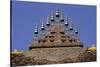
x: 57, y: 32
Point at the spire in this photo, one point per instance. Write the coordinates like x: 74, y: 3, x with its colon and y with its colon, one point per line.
x: 71, y: 25
x: 42, y: 26
x: 62, y: 17
x: 48, y: 21
x: 76, y: 30
x: 36, y: 30
x: 48, y: 25
x: 52, y: 16
x: 66, y: 22
x: 57, y: 13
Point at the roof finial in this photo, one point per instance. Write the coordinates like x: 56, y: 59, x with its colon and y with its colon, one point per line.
x: 57, y: 13
x: 66, y: 22
x: 52, y: 16
x: 48, y: 20
x: 76, y: 30
x: 62, y: 16
x: 42, y: 26
x: 71, y: 25
x: 36, y: 29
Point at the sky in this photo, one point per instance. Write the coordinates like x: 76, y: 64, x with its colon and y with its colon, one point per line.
x: 25, y: 16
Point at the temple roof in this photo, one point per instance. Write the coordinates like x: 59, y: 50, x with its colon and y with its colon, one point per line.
x: 60, y: 34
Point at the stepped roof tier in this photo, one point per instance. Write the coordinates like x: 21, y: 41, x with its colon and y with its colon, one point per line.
x: 58, y: 32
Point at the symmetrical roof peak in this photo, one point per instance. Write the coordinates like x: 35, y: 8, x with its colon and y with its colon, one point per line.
x: 59, y: 33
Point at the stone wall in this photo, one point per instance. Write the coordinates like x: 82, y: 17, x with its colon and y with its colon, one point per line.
x: 56, y: 54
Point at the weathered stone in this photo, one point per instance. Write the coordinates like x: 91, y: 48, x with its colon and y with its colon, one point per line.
x: 57, y: 54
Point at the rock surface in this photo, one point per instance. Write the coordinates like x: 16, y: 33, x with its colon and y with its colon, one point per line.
x: 58, y: 54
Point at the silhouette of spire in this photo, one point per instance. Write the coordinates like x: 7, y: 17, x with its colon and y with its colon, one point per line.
x: 42, y: 26
x: 62, y: 17
x: 36, y: 29
x: 52, y: 19
x: 57, y: 13
x: 52, y: 16
x: 71, y: 25
x: 66, y: 22
x: 48, y: 25
x: 48, y: 21
x: 76, y: 30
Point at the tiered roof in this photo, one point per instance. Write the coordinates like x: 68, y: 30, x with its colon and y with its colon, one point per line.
x: 61, y: 34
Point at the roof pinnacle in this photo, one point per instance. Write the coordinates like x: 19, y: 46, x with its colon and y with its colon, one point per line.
x: 71, y: 25
x: 42, y: 26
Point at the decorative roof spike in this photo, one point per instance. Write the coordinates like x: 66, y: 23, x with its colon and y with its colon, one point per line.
x: 36, y: 30
x: 52, y: 16
x: 76, y: 30
x: 71, y: 25
x: 62, y: 17
x: 66, y: 22
x: 48, y: 20
x: 42, y: 26
x: 57, y: 13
